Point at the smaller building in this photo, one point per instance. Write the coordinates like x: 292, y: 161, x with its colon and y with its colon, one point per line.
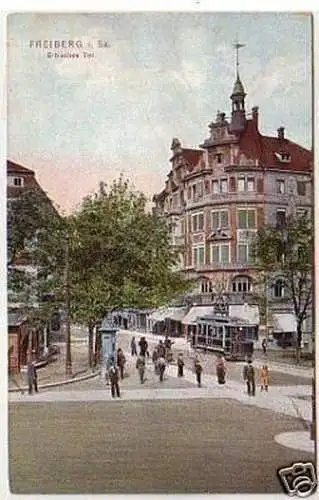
x: 23, y: 341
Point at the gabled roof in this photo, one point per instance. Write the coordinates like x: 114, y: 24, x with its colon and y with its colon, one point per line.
x: 192, y: 156
x: 254, y: 145
x: 16, y: 168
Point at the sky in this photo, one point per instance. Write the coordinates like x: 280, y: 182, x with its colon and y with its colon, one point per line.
x: 152, y: 77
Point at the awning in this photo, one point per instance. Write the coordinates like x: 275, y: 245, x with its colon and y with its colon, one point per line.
x: 285, y: 322
x: 245, y: 312
x: 177, y: 313
x: 161, y: 314
x: 196, y: 312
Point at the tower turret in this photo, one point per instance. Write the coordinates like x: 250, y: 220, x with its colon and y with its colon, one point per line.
x: 238, y: 121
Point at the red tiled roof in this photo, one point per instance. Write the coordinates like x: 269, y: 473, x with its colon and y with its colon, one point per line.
x: 192, y: 156
x: 15, y: 167
x: 257, y: 146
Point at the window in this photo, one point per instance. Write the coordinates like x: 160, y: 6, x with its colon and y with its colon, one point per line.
x: 15, y: 181
x: 215, y: 187
x: 280, y: 189
x: 220, y: 219
x: 220, y: 253
x: 194, y: 191
x: 250, y: 184
x: 301, y: 188
x: 224, y: 186
x: 241, y: 184
x: 18, y: 181
x: 198, y: 255
x: 244, y: 253
x: 241, y: 284
x: 175, y: 200
x: 283, y: 157
x: 189, y: 193
x: 197, y: 222
x: 279, y: 289
x: 206, y: 286
x: 281, y: 217
x: 219, y: 158
x: 246, y: 219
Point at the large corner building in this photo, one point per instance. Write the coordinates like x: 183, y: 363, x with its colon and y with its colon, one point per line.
x: 217, y: 196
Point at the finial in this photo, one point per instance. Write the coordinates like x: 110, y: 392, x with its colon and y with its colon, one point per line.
x: 237, y: 46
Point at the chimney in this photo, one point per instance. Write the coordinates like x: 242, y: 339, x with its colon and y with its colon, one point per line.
x: 281, y: 133
x: 254, y: 113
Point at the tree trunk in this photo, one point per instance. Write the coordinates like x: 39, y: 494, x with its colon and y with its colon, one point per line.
x: 91, y: 335
x: 298, y: 346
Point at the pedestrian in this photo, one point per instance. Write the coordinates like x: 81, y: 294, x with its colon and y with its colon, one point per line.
x: 114, y: 379
x: 161, y: 349
x: 264, y: 378
x: 133, y: 347
x: 161, y: 365
x: 221, y: 369
x: 264, y: 346
x: 180, y: 365
x: 140, y: 366
x: 155, y: 357
x: 198, y: 371
x: 249, y: 377
x: 121, y: 360
x: 143, y: 346
x: 32, y: 376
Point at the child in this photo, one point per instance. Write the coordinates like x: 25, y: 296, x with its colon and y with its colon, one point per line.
x: 264, y: 378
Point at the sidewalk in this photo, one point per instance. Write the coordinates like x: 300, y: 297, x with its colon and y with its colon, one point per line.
x: 54, y: 372
x: 181, y: 345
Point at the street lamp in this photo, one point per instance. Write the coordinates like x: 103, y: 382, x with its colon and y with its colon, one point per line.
x: 68, y: 360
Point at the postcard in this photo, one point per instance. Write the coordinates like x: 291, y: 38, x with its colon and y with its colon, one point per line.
x: 160, y: 253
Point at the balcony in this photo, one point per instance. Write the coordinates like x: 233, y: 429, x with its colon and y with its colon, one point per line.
x: 224, y: 266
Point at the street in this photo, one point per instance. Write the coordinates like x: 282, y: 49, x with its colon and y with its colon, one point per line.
x: 169, y: 437
x: 197, y: 446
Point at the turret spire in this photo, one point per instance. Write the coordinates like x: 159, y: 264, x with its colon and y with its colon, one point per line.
x: 238, y: 97
x: 237, y: 46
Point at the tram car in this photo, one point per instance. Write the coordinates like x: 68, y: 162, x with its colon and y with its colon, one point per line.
x: 230, y: 336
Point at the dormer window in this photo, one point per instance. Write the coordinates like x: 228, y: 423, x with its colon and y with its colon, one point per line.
x: 15, y: 181
x: 283, y: 157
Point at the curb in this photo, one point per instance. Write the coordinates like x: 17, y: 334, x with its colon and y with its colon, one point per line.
x: 61, y: 382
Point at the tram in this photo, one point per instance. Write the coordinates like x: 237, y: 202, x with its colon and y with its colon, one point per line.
x: 230, y: 336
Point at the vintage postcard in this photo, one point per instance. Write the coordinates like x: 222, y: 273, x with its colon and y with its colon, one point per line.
x: 160, y: 206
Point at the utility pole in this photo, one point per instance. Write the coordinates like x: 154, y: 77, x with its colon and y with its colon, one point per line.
x: 68, y: 361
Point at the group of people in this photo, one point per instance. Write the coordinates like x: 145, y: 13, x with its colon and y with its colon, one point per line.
x: 249, y: 376
x: 161, y: 357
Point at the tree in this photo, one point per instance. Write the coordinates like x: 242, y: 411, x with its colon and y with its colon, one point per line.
x: 122, y: 256
x: 286, y: 252
x: 35, y: 256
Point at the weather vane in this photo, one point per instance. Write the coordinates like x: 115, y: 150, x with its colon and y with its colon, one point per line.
x: 237, y: 46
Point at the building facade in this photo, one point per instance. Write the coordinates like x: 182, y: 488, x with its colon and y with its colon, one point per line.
x: 24, y: 337
x: 217, y: 196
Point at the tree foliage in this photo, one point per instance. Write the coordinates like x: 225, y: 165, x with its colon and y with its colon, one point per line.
x: 121, y: 255
x: 286, y: 252
x: 35, y: 257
